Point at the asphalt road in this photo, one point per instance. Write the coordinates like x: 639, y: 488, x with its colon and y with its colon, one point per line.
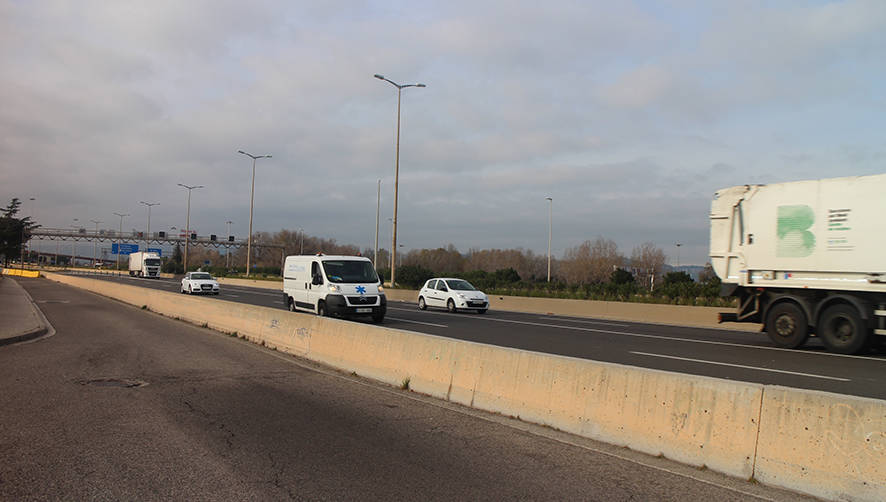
x: 124, y: 404
x: 732, y: 355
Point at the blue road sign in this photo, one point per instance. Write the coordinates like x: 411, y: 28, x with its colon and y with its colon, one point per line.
x: 124, y: 248
x: 156, y: 250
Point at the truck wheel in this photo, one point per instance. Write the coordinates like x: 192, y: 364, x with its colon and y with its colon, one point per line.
x: 842, y: 331
x: 787, y: 326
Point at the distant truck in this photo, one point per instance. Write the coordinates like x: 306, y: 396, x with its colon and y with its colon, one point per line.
x: 807, y: 257
x: 144, y: 264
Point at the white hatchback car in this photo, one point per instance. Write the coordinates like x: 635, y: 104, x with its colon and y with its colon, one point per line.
x: 199, y: 282
x: 453, y: 295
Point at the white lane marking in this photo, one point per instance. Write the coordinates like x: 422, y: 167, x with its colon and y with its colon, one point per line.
x: 278, y: 301
x: 232, y: 296
x: 661, y: 337
x: 419, y: 322
x: 741, y: 366
x: 605, y: 323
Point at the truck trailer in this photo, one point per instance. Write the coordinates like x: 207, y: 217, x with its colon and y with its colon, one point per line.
x: 144, y: 264
x: 805, y: 258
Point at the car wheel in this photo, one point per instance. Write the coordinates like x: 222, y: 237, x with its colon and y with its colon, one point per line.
x: 842, y: 330
x: 450, y: 306
x: 291, y: 304
x: 421, y: 303
x: 378, y: 318
x: 481, y: 311
x: 190, y: 290
x: 321, y: 309
x: 216, y: 293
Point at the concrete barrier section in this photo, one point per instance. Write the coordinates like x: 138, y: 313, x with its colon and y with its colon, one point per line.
x: 823, y: 444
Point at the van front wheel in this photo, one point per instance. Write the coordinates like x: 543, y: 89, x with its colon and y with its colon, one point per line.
x: 321, y: 309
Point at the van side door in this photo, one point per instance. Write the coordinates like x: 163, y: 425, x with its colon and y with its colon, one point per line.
x: 315, y: 292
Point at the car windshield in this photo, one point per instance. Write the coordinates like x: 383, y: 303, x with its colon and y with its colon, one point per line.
x: 460, y: 285
x: 350, y: 271
x: 152, y: 262
x: 201, y: 276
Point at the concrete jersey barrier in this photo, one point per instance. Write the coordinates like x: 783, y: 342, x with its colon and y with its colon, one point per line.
x: 827, y: 445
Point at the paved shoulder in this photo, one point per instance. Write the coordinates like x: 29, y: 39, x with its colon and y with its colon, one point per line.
x: 19, y: 318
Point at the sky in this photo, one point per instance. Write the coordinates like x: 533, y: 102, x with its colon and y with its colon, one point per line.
x: 629, y: 115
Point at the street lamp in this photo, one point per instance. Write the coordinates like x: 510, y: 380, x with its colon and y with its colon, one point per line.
x: 251, y: 199
x: 94, y: 242
x: 118, y: 239
x: 75, y: 227
x: 228, y: 245
x: 400, y: 88
x: 301, y: 233
x: 377, y: 207
x: 188, y: 222
x: 148, y: 231
x: 550, y: 231
x: 678, y: 254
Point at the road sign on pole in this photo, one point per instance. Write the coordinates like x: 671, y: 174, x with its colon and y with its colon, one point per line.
x: 124, y: 248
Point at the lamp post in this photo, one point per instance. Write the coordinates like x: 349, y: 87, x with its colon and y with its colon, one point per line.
x: 301, y: 233
x: 400, y: 88
x: 678, y: 253
x: 550, y: 231
x: 377, y: 208
x: 148, y: 231
x: 75, y: 227
x: 251, y: 199
x: 228, y: 245
x: 33, y: 220
x: 118, y: 239
x: 94, y: 242
x: 188, y: 222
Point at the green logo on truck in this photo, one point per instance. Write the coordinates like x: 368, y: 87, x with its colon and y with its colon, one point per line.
x: 794, y: 238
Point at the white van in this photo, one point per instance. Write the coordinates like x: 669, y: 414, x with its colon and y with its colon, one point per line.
x: 333, y: 285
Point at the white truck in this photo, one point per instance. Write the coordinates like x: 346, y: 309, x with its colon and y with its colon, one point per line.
x: 806, y: 257
x: 333, y: 285
x: 144, y: 264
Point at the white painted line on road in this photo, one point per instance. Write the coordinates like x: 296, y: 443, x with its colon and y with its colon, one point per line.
x: 741, y: 366
x: 232, y: 296
x: 604, y: 323
x: 278, y: 301
x: 418, y: 322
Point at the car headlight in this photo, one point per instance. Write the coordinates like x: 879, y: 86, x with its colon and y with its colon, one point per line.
x: 334, y: 288
x: 461, y: 296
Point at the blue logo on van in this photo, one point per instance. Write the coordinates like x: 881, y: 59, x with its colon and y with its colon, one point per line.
x: 361, y: 290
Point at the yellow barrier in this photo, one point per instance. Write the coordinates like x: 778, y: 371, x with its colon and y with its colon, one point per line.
x: 20, y: 273
x: 826, y: 445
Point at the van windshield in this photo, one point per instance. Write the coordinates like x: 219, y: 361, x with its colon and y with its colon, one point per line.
x: 349, y: 271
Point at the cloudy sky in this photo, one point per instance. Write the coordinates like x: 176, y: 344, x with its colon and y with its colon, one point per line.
x: 629, y: 114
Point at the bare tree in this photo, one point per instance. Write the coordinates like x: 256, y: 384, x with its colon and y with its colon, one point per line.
x: 647, y: 262
x: 591, y: 261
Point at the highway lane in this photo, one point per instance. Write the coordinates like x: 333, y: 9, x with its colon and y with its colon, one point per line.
x: 123, y: 404
x: 739, y: 356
